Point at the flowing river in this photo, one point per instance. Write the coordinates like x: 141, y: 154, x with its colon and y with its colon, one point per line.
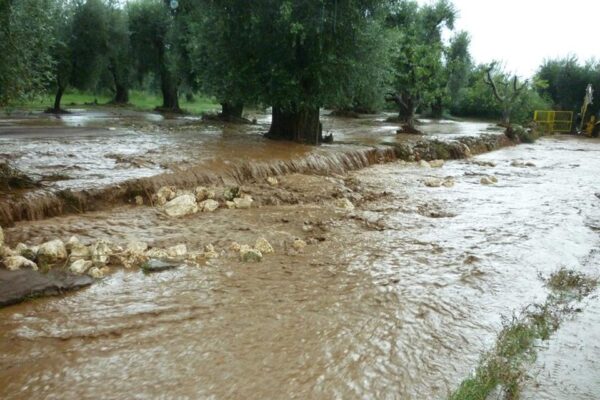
x: 394, y: 300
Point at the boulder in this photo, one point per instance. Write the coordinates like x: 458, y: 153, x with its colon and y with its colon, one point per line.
x: 424, y: 164
x: 101, y: 252
x: 250, y: 255
x: 211, y: 194
x: 181, y: 206
x: 235, y: 246
x: 243, y: 202
x: 98, y: 273
x: 15, y: 263
x: 178, y: 251
x: 264, y: 246
x: 23, y: 250
x: 6, y: 251
x: 433, y: 182
x: 344, y: 204
x: 210, y: 252
x: 208, y: 205
x: 489, y: 180
x: 448, y: 182
x: 80, y: 267
x: 231, y: 193
x: 157, y: 253
x: 165, y: 194
x: 201, y: 193
x: 272, y: 181
x: 136, y: 247
x: 154, y: 265
x: 436, y: 163
x: 73, y: 241
x: 230, y: 204
x: 139, y: 200
x: 299, y: 244
x: 52, y: 251
x: 79, y: 251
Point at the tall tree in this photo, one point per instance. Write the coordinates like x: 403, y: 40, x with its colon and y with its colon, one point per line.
x: 506, y: 89
x: 26, y: 37
x: 418, y: 65
x: 118, y: 51
x: 152, y: 23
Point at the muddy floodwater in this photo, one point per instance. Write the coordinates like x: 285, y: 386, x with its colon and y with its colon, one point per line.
x: 396, y: 299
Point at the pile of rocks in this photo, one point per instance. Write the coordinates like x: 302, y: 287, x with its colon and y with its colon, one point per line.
x: 178, y: 203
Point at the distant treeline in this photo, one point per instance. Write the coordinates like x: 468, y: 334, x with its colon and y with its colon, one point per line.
x: 295, y: 56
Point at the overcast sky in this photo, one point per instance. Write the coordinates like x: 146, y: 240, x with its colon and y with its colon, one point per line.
x: 522, y: 33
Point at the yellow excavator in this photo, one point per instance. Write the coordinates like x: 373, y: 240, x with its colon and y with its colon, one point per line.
x: 589, y: 124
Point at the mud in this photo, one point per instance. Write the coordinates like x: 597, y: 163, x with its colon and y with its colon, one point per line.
x: 394, y: 299
x: 89, y: 161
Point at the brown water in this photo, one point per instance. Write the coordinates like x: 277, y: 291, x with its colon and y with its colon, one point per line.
x: 394, y: 302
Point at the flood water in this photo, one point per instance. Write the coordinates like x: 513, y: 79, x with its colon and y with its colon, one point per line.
x: 396, y: 300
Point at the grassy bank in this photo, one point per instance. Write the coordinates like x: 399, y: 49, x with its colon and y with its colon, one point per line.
x: 144, y: 101
x: 504, y: 366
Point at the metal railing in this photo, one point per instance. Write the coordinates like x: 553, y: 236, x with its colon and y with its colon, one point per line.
x: 554, y: 121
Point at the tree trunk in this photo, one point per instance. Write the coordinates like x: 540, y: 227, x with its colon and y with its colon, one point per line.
x: 232, y: 111
x: 57, y: 99
x: 506, y: 118
x: 437, y: 108
x: 170, y: 95
x: 121, y: 94
x: 298, y: 125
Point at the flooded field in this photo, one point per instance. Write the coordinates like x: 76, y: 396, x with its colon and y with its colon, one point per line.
x: 395, y: 299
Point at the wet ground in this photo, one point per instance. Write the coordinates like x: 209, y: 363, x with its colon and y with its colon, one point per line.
x: 396, y: 299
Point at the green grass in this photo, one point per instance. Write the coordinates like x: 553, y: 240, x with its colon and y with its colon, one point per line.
x: 144, y: 101
x: 504, y: 365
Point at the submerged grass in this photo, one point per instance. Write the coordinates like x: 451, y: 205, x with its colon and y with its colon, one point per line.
x: 504, y: 366
x: 137, y: 99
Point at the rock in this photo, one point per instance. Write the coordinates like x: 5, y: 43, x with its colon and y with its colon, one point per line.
x: 235, y: 246
x: 131, y: 260
x: 230, y: 204
x: 100, y: 252
x: 139, y: 200
x: 157, y: 253
x: 489, y: 180
x: 178, y: 251
x: 529, y: 164
x: 344, y: 204
x: 166, y: 192
x: 250, y: 255
x: 181, y: 206
x: 208, y: 205
x: 299, y: 244
x: 272, y: 181
x: 73, y: 241
x: 136, y: 247
x: 483, y: 163
x: 17, y: 286
x: 6, y: 251
x: 201, y: 193
x: 263, y: 246
x: 433, y: 182
x: 26, y: 252
x: 98, y: 273
x: 243, y: 202
x: 436, y: 163
x: 424, y: 164
x: 231, y: 193
x: 210, y: 252
x: 211, y: 195
x: 448, y: 182
x: 52, y: 251
x: 155, y: 265
x: 80, y: 267
x: 80, y: 251
x: 15, y: 263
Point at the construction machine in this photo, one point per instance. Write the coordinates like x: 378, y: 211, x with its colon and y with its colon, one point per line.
x: 589, y: 124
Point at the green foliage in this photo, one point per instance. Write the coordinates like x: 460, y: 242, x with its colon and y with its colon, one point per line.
x: 420, y: 76
x: 566, y: 80
x: 26, y: 36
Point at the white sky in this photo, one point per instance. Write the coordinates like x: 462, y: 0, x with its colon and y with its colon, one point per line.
x: 522, y: 33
